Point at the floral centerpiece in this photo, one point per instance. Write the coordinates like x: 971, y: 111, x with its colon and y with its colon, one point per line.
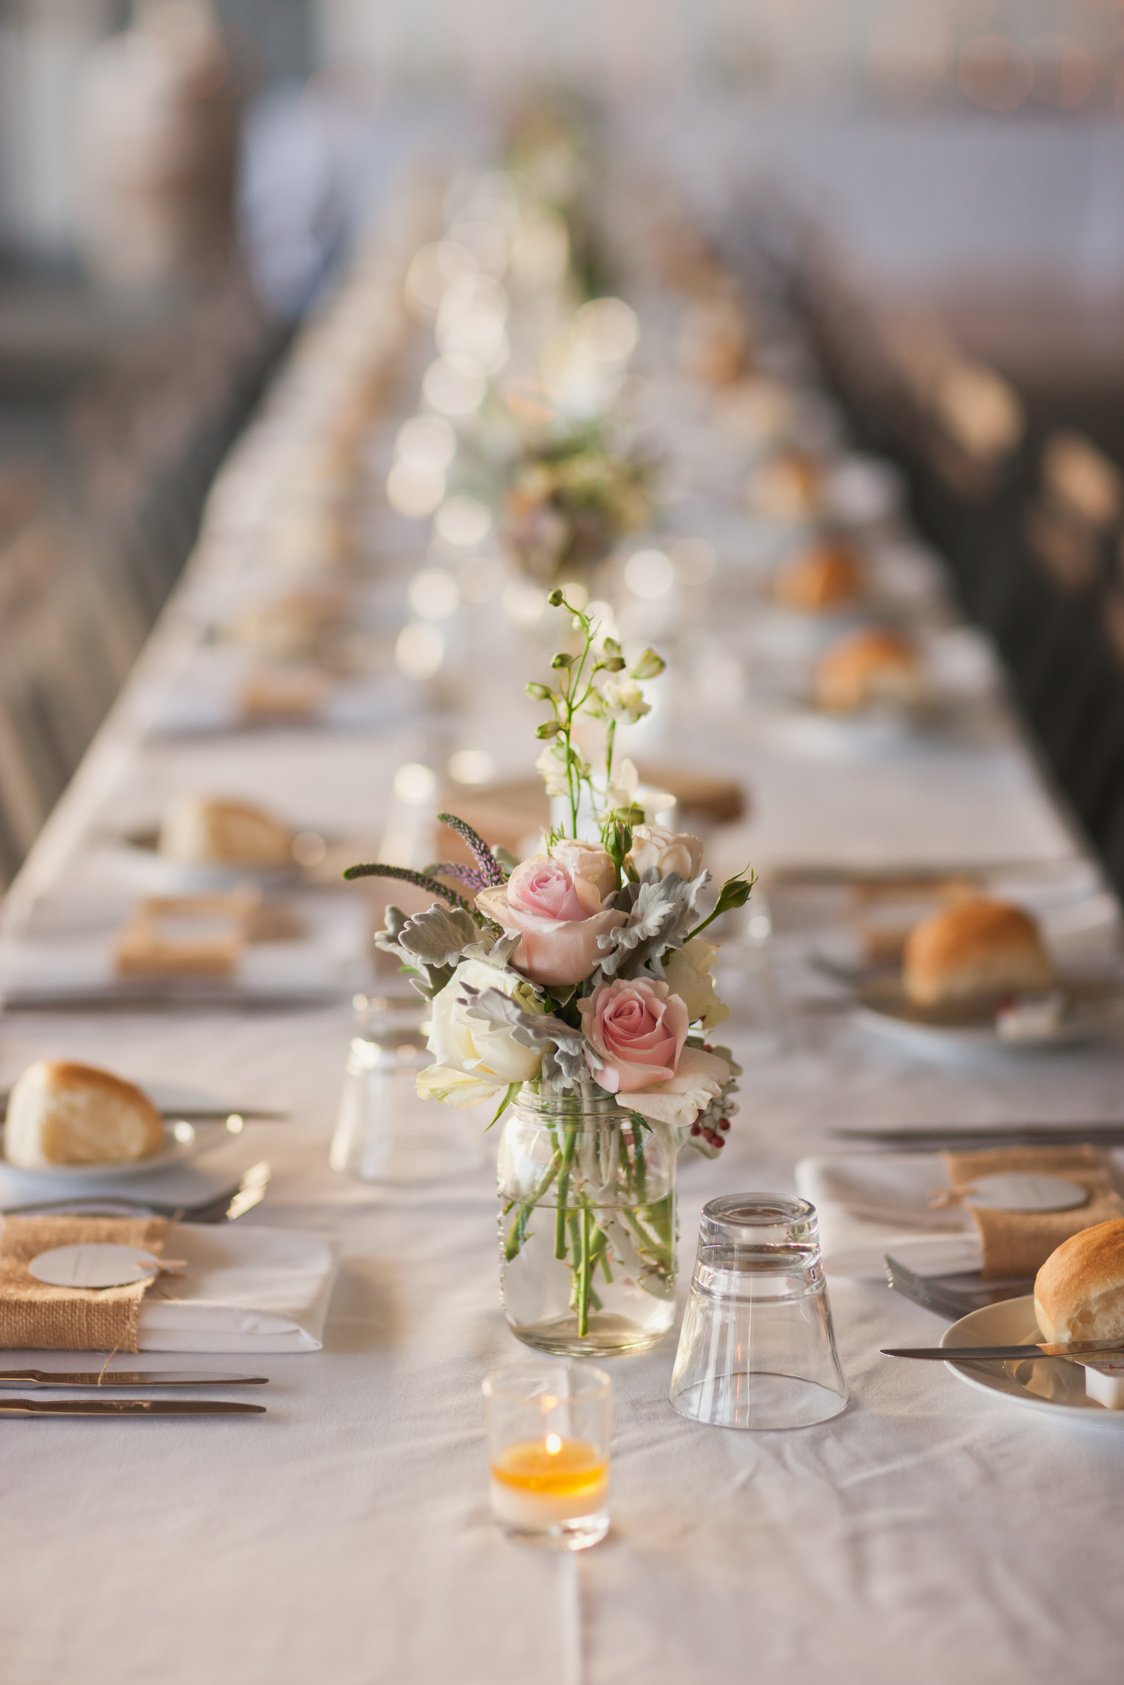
x: 570, y: 494
x: 574, y: 991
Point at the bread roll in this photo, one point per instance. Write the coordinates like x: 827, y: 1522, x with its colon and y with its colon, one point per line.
x: 873, y: 666
x: 789, y: 487
x: 974, y: 950
x: 143, y: 949
x: 74, y: 1114
x: 291, y: 627
x: 714, y: 347
x: 214, y: 831
x: 820, y: 580
x: 283, y: 694
x: 1079, y: 1291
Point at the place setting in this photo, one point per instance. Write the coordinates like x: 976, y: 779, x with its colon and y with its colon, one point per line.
x: 980, y: 976
x: 248, y: 946
x: 1058, y: 1348
x: 117, y: 1234
x: 78, y: 1135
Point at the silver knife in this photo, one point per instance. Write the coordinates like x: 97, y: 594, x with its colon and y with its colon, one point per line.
x: 124, y: 1378
x: 126, y: 1407
x: 154, y: 1000
x: 987, y: 1135
x: 1006, y: 1354
x: 827, y: 874
x: 201, y: 1114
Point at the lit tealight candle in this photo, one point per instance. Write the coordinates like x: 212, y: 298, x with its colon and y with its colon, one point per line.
x: 541, y: 1484
x: 548, y: 1430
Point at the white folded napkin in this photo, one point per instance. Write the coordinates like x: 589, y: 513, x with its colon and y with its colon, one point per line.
x: 245, y: 1290
x: 873, y: 1203
x: 896, y: 1188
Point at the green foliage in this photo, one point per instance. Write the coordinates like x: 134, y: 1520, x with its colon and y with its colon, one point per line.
x: 735, y: 892
x: 577, y: 692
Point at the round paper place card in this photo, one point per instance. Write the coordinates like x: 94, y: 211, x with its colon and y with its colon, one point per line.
x: 94, y: 1264
x: 1016, y: 1190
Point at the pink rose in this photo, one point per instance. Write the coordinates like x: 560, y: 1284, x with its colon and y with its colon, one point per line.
x: 558, y: 917
x: 638, y: 1029
x: 586, y: 860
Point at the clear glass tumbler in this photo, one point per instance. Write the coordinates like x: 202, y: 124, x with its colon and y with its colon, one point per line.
x: 757, y: 1348
x: 549, y: 1424
x: 384, y: 1133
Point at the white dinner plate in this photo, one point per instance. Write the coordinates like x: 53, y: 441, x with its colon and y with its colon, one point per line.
x: 1048, y: 1384
x: 182, y: 1140
x: 872, y: 731
x: 950, y: 1033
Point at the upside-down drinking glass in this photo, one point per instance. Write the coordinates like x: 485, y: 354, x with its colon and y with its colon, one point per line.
x: 757, y: 1348
x: 384, y: 1132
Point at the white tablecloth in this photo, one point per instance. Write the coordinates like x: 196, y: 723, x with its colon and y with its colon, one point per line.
x: 928, y: 1534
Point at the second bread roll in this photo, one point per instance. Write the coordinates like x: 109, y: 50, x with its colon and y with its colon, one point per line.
x: 974, y: 950
x: 872, y: 666
x: 60, y: 1113
x: 212, y: 830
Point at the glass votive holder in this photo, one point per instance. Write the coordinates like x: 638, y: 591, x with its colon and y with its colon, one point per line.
x: 757, y: 1347
x: 549, y: 1424
x: 384, y: 1133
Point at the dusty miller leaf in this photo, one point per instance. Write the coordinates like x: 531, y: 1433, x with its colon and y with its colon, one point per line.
x: 658, y: 916
x: 496, y: 950
x: 567, y: 1056
x: 387, y: 937
x: 438, y: 938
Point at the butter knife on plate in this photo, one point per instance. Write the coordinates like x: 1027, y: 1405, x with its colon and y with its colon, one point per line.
x: 110, y: 1378
x: 126, y: 1407
x: 1007, y: 1354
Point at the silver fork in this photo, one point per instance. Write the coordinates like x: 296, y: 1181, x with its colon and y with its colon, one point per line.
x: 227, y: 1205
x: 940, y: 1295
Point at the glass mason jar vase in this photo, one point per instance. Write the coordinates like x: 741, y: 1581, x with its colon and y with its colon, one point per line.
x: 587, y: 1225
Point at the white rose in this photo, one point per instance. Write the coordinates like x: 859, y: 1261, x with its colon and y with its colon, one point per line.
x: 690, y: 975
x: 657, y: 849
x: 586, y: 860
x: 465, y: 1046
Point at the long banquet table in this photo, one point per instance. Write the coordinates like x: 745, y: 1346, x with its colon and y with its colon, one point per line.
x: 928, y: 1533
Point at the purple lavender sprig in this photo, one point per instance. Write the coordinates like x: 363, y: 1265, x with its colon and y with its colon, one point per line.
x: 491, y: 872
x: 420, y: 880
x: 470, y: 876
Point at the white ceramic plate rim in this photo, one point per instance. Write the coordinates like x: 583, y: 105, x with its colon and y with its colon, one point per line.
x: 191, y: 1140
x: 948, y: 1039
x: 819, y: 731
x: 1011, y: 1323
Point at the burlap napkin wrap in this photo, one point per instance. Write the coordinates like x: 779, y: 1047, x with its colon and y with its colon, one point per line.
x: 1017, y: 1243
x: 34, y: 1316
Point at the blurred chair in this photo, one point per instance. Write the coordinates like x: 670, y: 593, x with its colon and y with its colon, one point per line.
x: 1056, y: 609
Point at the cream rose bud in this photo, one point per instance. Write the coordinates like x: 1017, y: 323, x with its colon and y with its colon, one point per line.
x: 656, y: 849
x: 460, y: 1041
x: 690, y: 974
x: 586, y: 860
